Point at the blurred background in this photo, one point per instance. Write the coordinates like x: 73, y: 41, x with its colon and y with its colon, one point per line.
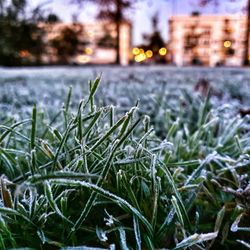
x: 125, y: 32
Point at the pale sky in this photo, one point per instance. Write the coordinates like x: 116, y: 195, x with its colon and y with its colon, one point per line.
x: 143, y: 11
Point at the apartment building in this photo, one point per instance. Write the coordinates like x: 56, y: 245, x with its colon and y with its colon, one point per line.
x: 207, y: 39
x: 94, y: 42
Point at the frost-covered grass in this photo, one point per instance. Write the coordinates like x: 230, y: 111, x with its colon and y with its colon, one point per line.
x: 169, y: 171
x: 20, y: 88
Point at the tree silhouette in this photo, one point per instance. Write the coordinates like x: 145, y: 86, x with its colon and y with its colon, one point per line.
x: 107, y: 40
x: 66, y: 44
x: 52, y: 18
x: 20, y: 36
x: 154, y: 41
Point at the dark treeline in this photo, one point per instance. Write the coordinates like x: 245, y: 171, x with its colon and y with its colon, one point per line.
x: 20, y: 36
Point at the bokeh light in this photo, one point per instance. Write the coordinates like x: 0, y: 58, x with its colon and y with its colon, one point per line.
x: 163, y: 51
x: 227, y: 44
x: 140, y: 57
x: 149, y: 53
x: 89, y: 51
x: 82, y: 59
x: 141, y: 51
x: 135, y: 51
x: 24, y: 53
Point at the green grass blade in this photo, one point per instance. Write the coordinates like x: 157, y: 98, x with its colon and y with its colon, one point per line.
x: 33, y: 128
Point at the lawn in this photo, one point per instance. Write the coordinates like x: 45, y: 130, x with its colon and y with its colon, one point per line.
x: 139, y: 158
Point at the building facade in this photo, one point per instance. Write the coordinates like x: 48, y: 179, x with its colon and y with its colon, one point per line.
x: 207, y: 40
x: 79, y: 43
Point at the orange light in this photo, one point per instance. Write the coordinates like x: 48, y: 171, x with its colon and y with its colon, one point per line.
x: 227, y: 44
x: 162, y: 51
x: 149, y: 53
x: 89, y: 51
x: 24, y: 53
x: 141, y: 51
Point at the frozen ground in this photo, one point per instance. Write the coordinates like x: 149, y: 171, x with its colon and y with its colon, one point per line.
x: 154, y: 86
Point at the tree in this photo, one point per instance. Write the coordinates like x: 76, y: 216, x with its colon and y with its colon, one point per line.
x: 114, y: 11
x: 107, y: 41
x: 20, y: 37
x: 52, y: 18
x: 247, y: 43
x: 154, y: 41
x: 66, y: 44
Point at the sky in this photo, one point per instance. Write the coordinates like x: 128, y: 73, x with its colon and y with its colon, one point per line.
x: 142, y: 12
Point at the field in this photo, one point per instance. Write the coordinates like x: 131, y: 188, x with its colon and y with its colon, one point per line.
x: 124, y: 158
